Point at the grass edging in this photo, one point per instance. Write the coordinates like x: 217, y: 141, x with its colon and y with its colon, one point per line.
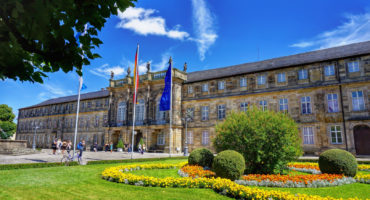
x: 96, y: 162
x: 317, y: 160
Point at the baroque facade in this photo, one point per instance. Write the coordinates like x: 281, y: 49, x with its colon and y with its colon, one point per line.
x: 327, y: 92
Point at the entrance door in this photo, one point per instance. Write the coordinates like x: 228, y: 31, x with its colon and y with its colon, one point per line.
x: 115, y: 137
x: 138, y: 137
x: 362, y: 139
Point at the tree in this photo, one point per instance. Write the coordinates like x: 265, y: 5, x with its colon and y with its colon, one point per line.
x: 267, y: 140
x: 38, y: 36
x: 8, y: 127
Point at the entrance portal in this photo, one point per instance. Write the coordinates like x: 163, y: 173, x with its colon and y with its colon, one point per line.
x: 362, y: 139
x: 138, y: 137
x: 115, y: 137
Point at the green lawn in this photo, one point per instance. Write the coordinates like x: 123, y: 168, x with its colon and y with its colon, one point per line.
x: 84, y: 182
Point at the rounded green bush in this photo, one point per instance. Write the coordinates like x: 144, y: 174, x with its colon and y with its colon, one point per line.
x: 202, y: 157
x: 229, y: 164
x: 337, y: 161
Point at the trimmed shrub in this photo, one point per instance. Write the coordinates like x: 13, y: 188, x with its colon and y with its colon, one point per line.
x: 120, y: 144
x: 229, y: 164
x: 202, y: 157
x: 337, y: 161
x: 268, y: 140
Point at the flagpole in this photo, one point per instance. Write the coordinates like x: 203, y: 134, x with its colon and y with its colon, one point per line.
x: 78, y: 111
x: 170, y: 142
x: 134, y: 103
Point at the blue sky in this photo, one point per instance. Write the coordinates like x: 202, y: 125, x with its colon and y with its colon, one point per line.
x: 206, y: 34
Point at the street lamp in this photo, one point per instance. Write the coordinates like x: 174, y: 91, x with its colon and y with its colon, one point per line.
x: 188, y: 117
x: 34, y: 139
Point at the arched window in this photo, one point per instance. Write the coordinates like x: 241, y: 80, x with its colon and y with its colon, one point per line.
x: 140, y: 110
x: 121, y: 112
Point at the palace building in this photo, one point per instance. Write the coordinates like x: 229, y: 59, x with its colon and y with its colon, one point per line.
x: 327, y: 92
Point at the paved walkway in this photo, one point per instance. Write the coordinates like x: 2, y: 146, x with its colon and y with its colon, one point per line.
x: 47, y: 156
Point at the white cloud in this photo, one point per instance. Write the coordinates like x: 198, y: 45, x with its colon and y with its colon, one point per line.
x: 203, y: 23
x: 142, y: 22
x: 163, y: 64
x: 53, y: 91
x: 356, y: 28
x: 105, y: 71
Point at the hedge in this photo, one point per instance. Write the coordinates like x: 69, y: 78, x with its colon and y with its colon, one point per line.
x: 317, y: 160
x: 96, y: 162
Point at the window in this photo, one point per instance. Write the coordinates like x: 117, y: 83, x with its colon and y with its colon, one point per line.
x: 190, y: 89
x: 97, y: 103
x: 72, y: 106
x: 121, y: 112
x: 205, y: 87
x: 89, y: 104
x: 306, y: 105
x: 87, y: 122
x: 205, y: 113
x: 336, y: 135
x: 243, y: 82
x: 161, y: 115
x: 333, y: 103
x: 353, y: 66
x: 205, y: 138
x: 302, y: 74
x: 329, y: 70
x: 190, y: 137
x: 96, y: 121
x: 221, y: 111
x: 358, y: 101
x: 106, y: 102
x: 140, y: 110
x: 263, y: 105
x: 83, y: 105
x: 308, y: 135
x: 261, y: 80
x: 221, y: 85
x: 283, y: 104
x: 191, y: 113
x: 281, y: 77
x: 161, y: 139
x: 243, y: 106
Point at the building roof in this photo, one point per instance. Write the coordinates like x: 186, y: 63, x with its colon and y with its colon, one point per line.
x: 90, y: 95
x: 350, y: 50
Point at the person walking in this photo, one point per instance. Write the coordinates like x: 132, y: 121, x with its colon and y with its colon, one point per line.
x: 140, y: 149
x: 69, y: 146
x: 59, y: 145
x: 81, y: 146
x: 54, y: 146
x: 96, y: 147
x: 64, y: 146
x: 144, y: 149
x: 111, y: 147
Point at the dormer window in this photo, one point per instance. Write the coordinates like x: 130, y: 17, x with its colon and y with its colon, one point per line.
x: 261, y: 80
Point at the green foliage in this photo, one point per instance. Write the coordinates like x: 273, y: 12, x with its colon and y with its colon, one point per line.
x: 33, y: 165
x: 337, y: 161
x: 38, y: 37
x: 141, y: 141
x: 268, y: 140
x: 229, y: 164
x: 8, y: 127
x: 202, y: 157
x: 120, y: 144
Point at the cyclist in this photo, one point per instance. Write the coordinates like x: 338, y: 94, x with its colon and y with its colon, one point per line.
x: 80, y: 146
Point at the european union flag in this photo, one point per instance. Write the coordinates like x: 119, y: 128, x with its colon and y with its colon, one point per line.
x: 165, y: 103
x: 83, y: 86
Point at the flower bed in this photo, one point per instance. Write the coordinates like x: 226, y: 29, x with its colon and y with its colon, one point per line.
x: 222, y: 186
x: 312, y: 181
x: 313, y: 168
x: 195, y: 171
x: 363, y: 178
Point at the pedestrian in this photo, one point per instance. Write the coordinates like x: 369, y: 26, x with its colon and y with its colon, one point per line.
x: 69, y: 146
x: 140, y: 149
x: 144, y: 148
x: 54, y: 146
x: 59, y: 145
x: 106, y: 147
x: 96, y: 147
x: 111, y: 147
x: 129, y: 148
x: 81, y: 146
x: 64, y: 146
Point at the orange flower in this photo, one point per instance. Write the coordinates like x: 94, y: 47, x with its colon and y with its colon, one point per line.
x: 197, y: 171
x: 297, y: 178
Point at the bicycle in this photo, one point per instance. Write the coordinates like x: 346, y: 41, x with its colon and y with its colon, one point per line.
x: 67, y: 158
